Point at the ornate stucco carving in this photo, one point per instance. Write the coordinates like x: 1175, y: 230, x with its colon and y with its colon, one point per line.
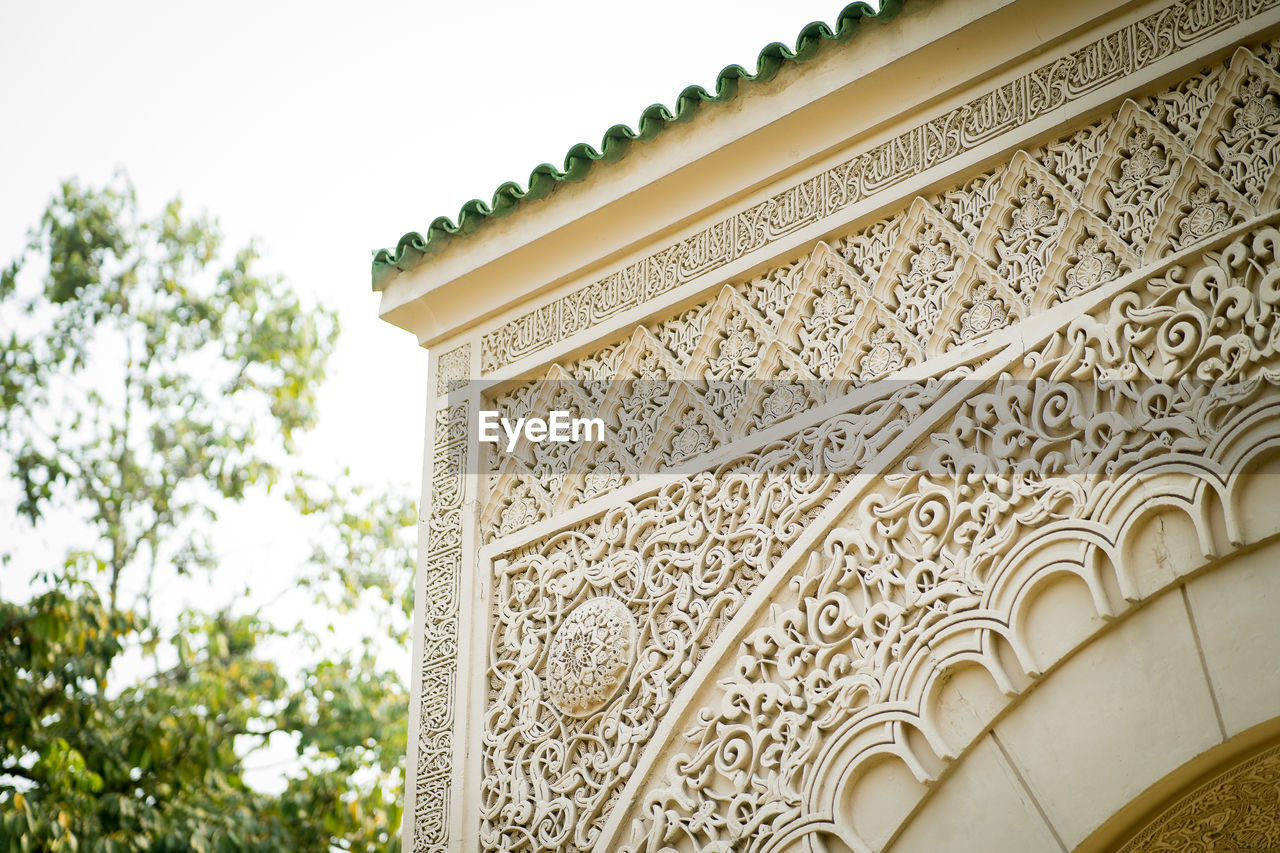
x: 610, y: 591
x: 590, y: 655
x: 1038, y: 444
x: 442, y: 567
x: 1052, y: 224
x: 683, y: 559
x: 1145, y: 395
x: 454, y: 369
x: 1016, y: 103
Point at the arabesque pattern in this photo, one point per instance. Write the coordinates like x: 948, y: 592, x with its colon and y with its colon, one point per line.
x: 1052, y: 224
x: 1155, y: 386
x: 1040, y: 92
x: 681, y: 561
x: 1168, y: 368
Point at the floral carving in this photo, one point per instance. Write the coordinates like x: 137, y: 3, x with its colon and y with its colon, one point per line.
x: 692, y: 437
x: 921, y: 290
x: 454, y: 369
x: 824, y: 327
x: 884, y: 355
x: 1147, y: 169
x: 1170, y: 366
x: 783, y: 400
x: 1096, y: 265
x: 602, y: 477
x: 1208, y: 215
x: 643, y: 400
x: 914, y: 589
x: 523, y: 508
x: 1247, y: 148
x: 987, y: 313
x: 1184, y: 108
x: 739, y: 350
x: 1035, y: 221
x: 683, y: 559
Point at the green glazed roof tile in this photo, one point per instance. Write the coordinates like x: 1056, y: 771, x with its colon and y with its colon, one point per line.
x: 413, y: 247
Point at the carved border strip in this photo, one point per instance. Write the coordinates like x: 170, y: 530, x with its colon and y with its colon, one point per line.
x: 1046, y: 88
x: 433, y: 772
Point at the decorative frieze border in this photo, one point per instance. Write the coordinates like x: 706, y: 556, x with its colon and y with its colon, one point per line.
x: 1029, y: 97
x: 442, y: 546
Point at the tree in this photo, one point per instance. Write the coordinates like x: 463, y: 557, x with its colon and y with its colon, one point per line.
x: 145, y: 383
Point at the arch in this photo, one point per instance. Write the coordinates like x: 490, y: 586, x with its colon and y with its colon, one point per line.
x: 1187, y: 686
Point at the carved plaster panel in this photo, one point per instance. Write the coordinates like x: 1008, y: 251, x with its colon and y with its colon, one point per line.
x: 921, y: 555
x: 1017, y: 103
x: 864, y: 421
x: 946, y: 271
x: 1152, y: 392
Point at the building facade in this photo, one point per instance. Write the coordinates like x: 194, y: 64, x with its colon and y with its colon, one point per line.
x: 938, y: 492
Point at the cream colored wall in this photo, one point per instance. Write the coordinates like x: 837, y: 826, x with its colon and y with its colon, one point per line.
x: 958, y: 721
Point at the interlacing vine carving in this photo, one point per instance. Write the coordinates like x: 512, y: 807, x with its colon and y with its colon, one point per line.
x: 1162, y: 373
x: 681, y: 562
x: 1165, y: 367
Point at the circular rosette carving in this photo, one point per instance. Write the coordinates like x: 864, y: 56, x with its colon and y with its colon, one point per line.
x: 590, y: 656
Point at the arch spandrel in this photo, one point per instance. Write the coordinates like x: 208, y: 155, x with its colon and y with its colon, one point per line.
x: 848, y: 513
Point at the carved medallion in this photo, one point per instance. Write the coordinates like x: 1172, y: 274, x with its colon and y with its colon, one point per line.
x: 885, y: 355
x: 986, y: 314
x: 590, y: 655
